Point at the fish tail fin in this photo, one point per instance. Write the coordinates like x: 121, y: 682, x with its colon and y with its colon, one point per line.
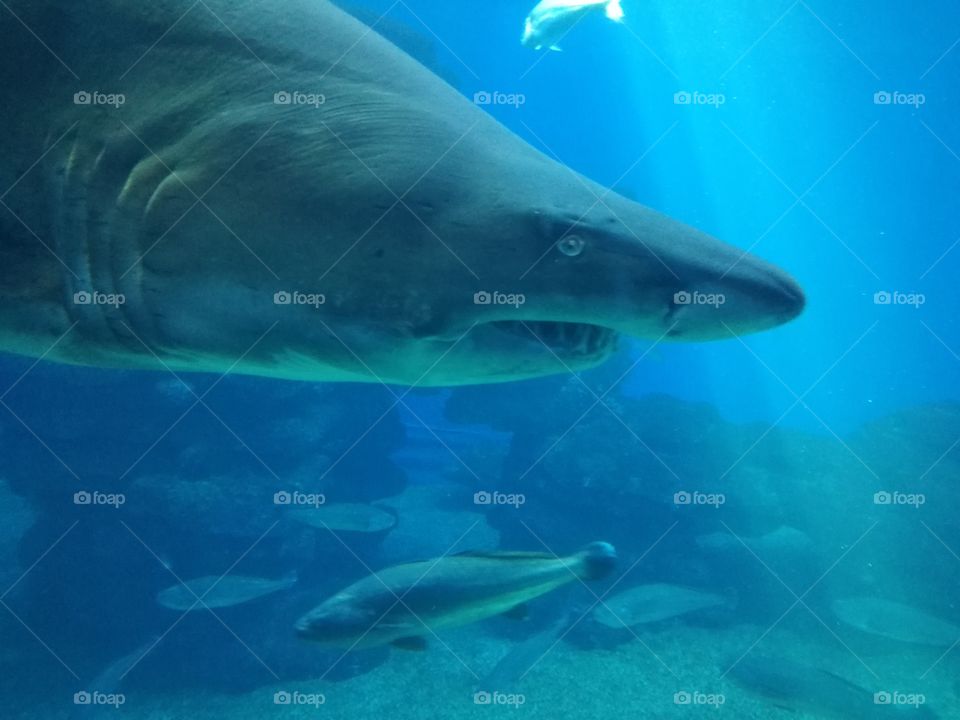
x: 597, y: 560
x: 614, y: 11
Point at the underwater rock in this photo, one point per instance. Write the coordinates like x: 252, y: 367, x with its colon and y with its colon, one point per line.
x: 906, y: 497
x: 433, y: 451
x: 209, y: 504
x: 617, y: 472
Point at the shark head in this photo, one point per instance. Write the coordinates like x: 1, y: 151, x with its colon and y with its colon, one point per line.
x: 393, y: 232
x: 572, y: 267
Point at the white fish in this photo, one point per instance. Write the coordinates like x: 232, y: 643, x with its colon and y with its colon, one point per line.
x: 651, y: 603
x: 895, y: 621
x: 550, y: 20
x: 217, y: 591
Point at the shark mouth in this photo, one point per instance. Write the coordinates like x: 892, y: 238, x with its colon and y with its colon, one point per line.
x: 564, y: 338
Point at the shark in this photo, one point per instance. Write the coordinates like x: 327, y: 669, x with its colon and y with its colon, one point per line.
x: 274, y: 189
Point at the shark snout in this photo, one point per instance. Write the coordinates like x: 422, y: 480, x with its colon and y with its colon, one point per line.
x: 749, y: 296
x: 666, y: 279
x: 778, y: 291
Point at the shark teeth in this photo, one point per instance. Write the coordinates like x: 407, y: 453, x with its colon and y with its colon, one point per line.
x: 563, y: 337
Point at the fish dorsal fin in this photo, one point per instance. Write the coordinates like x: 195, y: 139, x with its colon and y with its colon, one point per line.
x: 506, y: 555
x: 414, y: 643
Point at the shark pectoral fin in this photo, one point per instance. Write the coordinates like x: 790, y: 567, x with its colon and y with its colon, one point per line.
x: 414, y: 643
x: 518, y: 612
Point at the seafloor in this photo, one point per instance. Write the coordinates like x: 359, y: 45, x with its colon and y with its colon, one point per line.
x: 637, y: 679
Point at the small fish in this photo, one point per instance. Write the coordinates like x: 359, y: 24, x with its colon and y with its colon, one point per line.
x: 550, y: 20
x: 651, y: 603
x: 350, y: 517
x: 401, y: 604
x: 110, y: 680
x: 216, y: 592
x: 895, y: 621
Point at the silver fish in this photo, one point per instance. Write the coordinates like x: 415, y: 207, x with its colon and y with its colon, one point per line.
x: 401, y: 604
x: 809, y: 689
x: 651, y: 603
x: 351, y: 517
x: 895, y: 621
x: 214, y: 591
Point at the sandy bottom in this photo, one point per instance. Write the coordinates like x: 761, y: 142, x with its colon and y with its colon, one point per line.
x: 639, y: 679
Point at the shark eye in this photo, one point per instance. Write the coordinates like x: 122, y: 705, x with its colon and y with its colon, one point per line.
x: 571, y: 245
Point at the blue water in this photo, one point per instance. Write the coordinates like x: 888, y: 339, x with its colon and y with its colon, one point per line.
x: 798, y: 427
x: 800, y: 118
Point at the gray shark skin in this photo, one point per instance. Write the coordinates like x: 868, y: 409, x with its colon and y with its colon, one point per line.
x: 271, y: 188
